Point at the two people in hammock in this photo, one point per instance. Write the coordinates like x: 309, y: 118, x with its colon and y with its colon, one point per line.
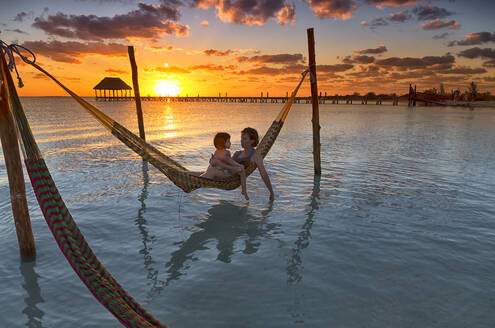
x: 222, y: 165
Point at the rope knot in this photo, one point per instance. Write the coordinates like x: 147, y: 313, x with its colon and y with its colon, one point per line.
x: 9, y: 51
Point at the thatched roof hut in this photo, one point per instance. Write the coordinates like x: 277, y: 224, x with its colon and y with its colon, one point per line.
x: 114, y: 84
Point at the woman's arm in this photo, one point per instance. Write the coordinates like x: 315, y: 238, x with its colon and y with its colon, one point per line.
x: 264, y: 175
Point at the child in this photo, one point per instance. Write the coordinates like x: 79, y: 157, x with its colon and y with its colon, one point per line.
x: 225, y: 164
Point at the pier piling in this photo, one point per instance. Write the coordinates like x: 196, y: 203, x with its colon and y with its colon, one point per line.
x: 137, y: 96
x: 314, y: 101
x: 10, y: 147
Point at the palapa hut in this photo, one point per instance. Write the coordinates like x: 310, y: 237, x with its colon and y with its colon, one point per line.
x: 112, y: 84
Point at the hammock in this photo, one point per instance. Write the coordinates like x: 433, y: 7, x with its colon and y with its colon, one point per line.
x: 177, y: 173
x: 64, y: 229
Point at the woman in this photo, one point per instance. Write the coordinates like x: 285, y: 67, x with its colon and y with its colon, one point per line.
x: 249, y: 140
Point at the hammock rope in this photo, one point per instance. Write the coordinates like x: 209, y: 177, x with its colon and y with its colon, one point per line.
x: 63, y: 227
x: 177, y: 173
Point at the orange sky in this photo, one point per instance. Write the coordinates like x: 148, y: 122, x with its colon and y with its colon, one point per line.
x: 206, y: 47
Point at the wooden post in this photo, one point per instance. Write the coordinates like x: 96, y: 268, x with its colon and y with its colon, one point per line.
x: 314, y: 101
x: 137, y: 95
x: 10, y: 147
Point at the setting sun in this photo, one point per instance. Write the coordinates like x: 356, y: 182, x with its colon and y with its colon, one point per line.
x: 166, y: 88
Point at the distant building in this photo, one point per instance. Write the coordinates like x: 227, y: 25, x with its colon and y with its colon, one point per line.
x: 112, y: 84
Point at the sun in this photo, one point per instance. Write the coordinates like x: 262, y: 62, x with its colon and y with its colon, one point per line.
x: 166, y: 88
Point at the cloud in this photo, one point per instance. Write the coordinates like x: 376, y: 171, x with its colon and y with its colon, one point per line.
x: 342, y: 9
x: 412, y: 63
x: 272, y: 59
x: 115, y: 71
x: 211, y: 67
x: 21, y: 16
x: 399, y: 17
x: 162, y: 48
x: 147, y: 22
x: 333, y: 68
x: 438, y: 24
x: 440, y: 36
x: 359, y: 59
x: 16, y: 31
x: 205, y: 23
x: 214, y: 52
x: 475, y: 39
x: 489, y: 78
x: 394, y: 3
x: 424, y: 13
x: 463, y: 70
x: 252, y: 12
x: 490, y: 63
x: 72, y: 51
x: 476, y: 52
x: 381, y: 49
x: 375, y: 22
x: 168, y: 70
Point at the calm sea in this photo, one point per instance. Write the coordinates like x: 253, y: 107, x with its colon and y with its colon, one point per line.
x: 399, y: 231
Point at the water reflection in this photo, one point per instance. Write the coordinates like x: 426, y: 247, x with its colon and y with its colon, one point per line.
x: 225, y: 223
x: 148, y: 239
x: 294, y: 264
x: 32, y: 312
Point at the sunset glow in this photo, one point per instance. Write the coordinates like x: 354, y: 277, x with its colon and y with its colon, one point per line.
x: 167, y: 88
x: 244, y: 49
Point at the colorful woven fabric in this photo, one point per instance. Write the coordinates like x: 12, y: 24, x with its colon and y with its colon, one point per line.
x: 177, y: 173
x: 69, y: 239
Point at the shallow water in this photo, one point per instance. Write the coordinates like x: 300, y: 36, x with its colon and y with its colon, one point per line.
x: 399, y: 231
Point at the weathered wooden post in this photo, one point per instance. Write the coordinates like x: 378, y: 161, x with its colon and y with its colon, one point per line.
x: 10, y: 147
x: 314, y: 101
x: 137, y: 95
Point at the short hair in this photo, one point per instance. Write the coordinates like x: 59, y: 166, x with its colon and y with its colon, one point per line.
x: 253, y: 135
x: 220, y: 140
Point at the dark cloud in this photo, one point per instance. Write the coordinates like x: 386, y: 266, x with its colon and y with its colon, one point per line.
x: 475, y: 39
x: 424, y: 13
x: 214, y: 52
x: 273, y: 59
x: 249, y: 12
x: 147, y: 22
x: 333, y: 68
x: 490, y: 63
x: 412, y: 63
x: 463, y: 70
x: 394, y: 3
x: 375, y: 22
x: 359, y: 59
x: 400, y: 17
x: 73, y: 51
x: 476, y: 52
x: 438, y: 24
x: 374, y: 51
x: 342, y: 9
x: 21, y: 16
x: 489, y: 79
x: 440, y: 36
x: 168, y: 70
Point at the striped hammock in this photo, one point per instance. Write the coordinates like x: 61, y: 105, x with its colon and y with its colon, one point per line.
x: 64, y: 229
x: 177, y: 173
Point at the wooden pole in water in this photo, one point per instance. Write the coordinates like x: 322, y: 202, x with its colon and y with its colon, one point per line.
x: 10, y: 147
x: 314, y: 101
x: 137, y: 96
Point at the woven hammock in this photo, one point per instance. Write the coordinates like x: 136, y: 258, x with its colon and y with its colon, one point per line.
x: 64, y: 229
x: 177, y: 173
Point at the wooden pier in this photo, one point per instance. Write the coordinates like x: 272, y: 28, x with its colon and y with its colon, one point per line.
x: 298, y: 100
